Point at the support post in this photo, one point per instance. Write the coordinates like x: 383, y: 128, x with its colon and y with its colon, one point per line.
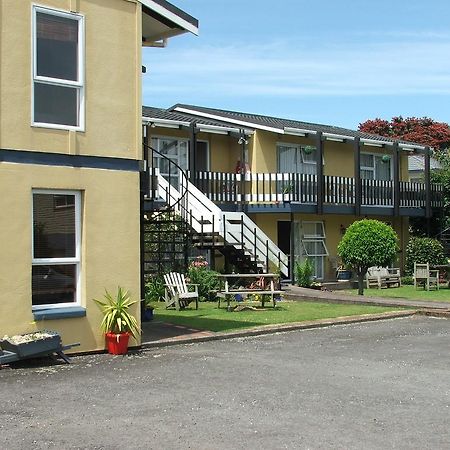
x: 192, y: 153
x: 320, y: 177
x: 428, y: 212
x: 292, y: 250
x: 357, y: 175
x: 243, y: 141
x: 396, y: 155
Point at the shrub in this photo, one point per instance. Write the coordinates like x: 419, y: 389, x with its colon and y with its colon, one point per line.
x: 367, y: 243
x: 207, y: 279
x: 422, y: 251
x: 304, y: 271
x: 154, y: 290
x: 407, y: 281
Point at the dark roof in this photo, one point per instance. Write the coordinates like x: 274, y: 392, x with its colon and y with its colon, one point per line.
x: 167, y: 114
x: 277, y: 122
x: 177, y: 11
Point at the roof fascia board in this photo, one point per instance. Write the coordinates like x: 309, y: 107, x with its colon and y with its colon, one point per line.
x: 375, y: 142
x: 170, y: 16
x: 226, y: 119
x: 337, y: 137
x: 298, y: 131
x: 411, y: 147
x: 164, y: 122
x: 216, y: 129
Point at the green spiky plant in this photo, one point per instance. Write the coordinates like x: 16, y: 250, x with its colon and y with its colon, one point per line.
x: 117, y: 319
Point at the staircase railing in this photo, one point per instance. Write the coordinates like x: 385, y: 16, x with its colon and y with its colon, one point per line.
x: 152, y: 189
x: 235, y: 228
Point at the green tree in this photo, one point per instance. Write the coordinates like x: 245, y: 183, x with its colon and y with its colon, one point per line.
x: 367, y: 243
x: 423, y: 250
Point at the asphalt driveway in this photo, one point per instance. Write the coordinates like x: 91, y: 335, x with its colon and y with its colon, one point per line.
x: 373, y: 385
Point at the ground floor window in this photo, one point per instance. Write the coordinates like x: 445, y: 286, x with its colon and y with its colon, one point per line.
x: 56, y: 249
x: 309, y: 243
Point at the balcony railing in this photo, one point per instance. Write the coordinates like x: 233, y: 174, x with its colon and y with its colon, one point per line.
x: 303, y: 188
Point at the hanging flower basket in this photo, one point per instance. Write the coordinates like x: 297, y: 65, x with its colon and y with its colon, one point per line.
x: 308, y: 149
x: 385, y: 158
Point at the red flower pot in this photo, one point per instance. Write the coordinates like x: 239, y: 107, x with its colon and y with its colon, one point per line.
x: 117, y: 344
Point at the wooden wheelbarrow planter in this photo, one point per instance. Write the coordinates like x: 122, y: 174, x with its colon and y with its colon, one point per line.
x: 12, y: 352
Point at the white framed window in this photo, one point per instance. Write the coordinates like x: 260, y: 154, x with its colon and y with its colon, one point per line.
x: 57, y: 69
x: 313, y: 230
x: 374, y: 167
x: 176, y: 150
x: 56, y: 248
x: 294, y: 158
x: 313, y: 246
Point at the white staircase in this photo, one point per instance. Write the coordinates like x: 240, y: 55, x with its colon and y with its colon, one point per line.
x: 234, y: 229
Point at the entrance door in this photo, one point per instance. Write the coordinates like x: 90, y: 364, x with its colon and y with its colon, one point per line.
x: 284, y: 239
x: 202, y: 156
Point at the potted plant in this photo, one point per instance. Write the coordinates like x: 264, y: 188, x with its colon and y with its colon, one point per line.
x: 147, y: 313
x: 118, y: 323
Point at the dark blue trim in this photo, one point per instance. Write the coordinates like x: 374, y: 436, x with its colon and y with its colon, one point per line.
x: 60, y: 159
x: 59, y: 313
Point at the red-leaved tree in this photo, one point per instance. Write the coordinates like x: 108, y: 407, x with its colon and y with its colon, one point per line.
x: 423, y: 130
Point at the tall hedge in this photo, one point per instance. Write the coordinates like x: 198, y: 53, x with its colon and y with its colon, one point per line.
x: 423, y: 250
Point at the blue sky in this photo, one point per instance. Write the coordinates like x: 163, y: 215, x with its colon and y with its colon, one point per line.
x: 336, y: 62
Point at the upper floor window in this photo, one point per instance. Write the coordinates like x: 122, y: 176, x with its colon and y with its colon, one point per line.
x: 58, y: 60
x: 375, y: 167
x: 296, y: 159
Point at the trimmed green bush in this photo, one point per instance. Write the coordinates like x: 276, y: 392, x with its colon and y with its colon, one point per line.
x: 423, y: 250
x: 367, y: 243
x: 303, y: 273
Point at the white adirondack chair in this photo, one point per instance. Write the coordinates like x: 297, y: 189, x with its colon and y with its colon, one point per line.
x: 177, y: 291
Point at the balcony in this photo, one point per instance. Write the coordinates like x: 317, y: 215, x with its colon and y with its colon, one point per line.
x: 302, y: 192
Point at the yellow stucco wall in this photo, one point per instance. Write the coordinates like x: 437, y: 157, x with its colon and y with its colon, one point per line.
x: 110, y: 245
x: 338, y: 157
x: 224, y: 151
x: 110, y: 199
x: 112, y: 80
x: 334, y: 225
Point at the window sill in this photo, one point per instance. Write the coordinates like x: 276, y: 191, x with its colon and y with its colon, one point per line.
x: 59, y: 313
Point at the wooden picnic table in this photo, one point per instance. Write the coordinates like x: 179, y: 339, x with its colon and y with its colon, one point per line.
x: 265, y: 285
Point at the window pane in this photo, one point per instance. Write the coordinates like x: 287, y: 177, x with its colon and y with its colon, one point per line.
x: 54, y: 226
x: 366, y: 160
x: 383, y: 169
x: 55, y: 104
x: 367, y: 174
x: 57, y: 47
x: 54, y: 284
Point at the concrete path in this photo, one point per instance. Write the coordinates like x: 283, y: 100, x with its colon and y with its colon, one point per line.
x: 298, y: 293
x: 376, y: 385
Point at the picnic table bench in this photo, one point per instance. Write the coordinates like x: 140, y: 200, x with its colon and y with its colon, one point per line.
x: 263, y: 286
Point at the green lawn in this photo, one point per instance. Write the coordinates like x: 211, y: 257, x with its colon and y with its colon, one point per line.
x: 209, y: 317
x: 408, y: 293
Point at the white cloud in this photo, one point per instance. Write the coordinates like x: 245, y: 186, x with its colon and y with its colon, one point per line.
x: 401, y: 65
